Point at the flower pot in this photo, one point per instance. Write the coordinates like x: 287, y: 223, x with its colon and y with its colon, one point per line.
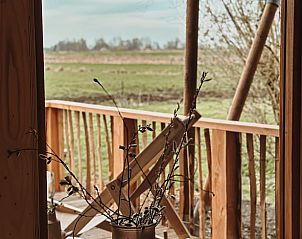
x: 54, y: 227
x: 124, y: 232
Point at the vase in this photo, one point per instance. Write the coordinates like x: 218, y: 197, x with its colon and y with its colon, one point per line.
x: 54, y: 227
x: 124, y: 232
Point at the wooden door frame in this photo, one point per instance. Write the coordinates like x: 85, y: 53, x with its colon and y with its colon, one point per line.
x: 290, y: 210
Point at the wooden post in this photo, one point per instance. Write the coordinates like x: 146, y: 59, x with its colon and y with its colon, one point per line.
x: 290, y: 121
x: 252, y: 61
x: 122, y: 134
x: 38, y: 25
x: 191, y: 54
x: 54, y: 139
x: 226, y: 185
x: 22, y: 178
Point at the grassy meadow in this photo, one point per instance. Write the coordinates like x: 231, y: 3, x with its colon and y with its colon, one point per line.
x: 142, y: 80
x: 151, y: 81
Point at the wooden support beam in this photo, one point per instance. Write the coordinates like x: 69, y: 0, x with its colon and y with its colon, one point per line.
x: 22, y: 178
x: 252, y: 61
x: 187, y: 159
x: 226, y: 185
x: 290, y: 121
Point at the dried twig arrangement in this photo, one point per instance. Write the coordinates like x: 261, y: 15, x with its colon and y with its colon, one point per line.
x: 147, y: 214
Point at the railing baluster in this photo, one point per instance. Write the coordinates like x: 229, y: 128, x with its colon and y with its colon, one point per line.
x: 99, y: 153
x: 66, y: 137
x: 262, y: 186
x: 208, y: 185
x: 71, y: 141
x: 118, y: 155
x: 138, y: 199
x: 55, y: 140
x: 88, y: 171
x: 200, y: 187
x: 92, y: 149
x: 277, y: 187
x: 144, y: 136
x: 78, y: 140
x: 154, y: 129
x: 109, y: 151
x: 253, y: 191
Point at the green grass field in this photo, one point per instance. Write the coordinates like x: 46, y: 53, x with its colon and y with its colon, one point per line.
x: 151, y: 81
x: 148, y: 85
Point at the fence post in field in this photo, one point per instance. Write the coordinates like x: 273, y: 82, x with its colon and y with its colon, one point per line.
x: 226, y: 184
x: 54, y: 138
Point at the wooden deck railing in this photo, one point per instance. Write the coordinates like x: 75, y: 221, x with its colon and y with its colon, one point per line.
x: 240, y: 158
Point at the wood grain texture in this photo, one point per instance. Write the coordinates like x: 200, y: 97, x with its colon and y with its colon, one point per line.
x: 290, y: 119
x: 226, y: 185
x: 22, y: 179
x: 117, y: 140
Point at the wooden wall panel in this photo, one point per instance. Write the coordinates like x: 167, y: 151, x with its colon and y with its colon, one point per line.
x: 22, y: 178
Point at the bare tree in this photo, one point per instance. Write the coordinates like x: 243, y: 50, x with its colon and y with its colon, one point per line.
x: 233, y: 24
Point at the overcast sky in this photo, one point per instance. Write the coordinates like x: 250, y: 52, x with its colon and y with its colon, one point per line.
x: 160, y: 20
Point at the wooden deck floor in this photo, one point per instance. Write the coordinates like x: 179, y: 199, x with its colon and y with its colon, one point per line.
x: 97, y: 233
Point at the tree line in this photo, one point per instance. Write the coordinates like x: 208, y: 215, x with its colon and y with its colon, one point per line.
x: 116, y: 44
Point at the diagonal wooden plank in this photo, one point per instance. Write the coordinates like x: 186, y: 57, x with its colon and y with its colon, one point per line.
x: 89, y: 212
x: 120, y: 198
x: 158, y: 167
x: 174, y: 219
